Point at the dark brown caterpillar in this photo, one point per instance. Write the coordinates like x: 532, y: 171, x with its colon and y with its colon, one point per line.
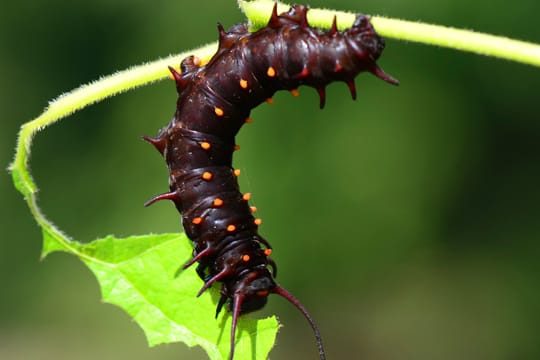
x: 214, y: 102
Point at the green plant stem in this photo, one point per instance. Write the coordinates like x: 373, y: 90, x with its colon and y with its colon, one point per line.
x: 258, y: 12
x: 85, y: 95
x: 496, y: 46
x: 465, y: 40
x: 69, y: 103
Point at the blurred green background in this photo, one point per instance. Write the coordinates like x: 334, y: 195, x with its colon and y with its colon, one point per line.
x: 408, y: 222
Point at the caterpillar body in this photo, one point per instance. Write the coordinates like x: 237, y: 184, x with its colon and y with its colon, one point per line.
x: 214, y: 102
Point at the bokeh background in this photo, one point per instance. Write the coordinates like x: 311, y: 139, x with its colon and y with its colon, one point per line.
x: 408, y: 222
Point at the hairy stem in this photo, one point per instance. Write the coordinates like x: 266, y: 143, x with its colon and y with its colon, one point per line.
x: 71, y: 102
x: 77, y: 99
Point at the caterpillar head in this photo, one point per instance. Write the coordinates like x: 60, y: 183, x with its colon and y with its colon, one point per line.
x: 251, y: 293
x: 251, y: 290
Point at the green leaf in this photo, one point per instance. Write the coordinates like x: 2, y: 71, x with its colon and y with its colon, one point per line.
x: 138, y: 274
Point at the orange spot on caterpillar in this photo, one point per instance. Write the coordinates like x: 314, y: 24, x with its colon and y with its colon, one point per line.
x: 231, y: 228
x: 253, y: 209
x: 236, y: 172
x: 236, y: 147
x: 217, y: 202
x: 197, y: 220
x: 205, y: 145
x: 262, y: 293
x: 196, y: 61
x: 245, y: 257
x: 257, y: 222
x: 338, y: 67
x: 243, y: 84
x: 246, y: 196
x: 249, y: 120
x: 270, y: 101
x: 271, y: 72
x: 207, y: 175
x: 219, y: 111
x: 295, y: 92
x: 267, y: 252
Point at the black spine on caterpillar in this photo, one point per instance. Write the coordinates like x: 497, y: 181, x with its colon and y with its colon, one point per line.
x: 214, y: 102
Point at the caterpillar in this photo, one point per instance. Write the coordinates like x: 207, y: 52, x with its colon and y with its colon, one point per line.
x: 214, y: 102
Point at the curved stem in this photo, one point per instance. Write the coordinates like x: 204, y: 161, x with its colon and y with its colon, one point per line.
x: 77, y: 99
x: 259, y: 12
x: 73, y: 101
